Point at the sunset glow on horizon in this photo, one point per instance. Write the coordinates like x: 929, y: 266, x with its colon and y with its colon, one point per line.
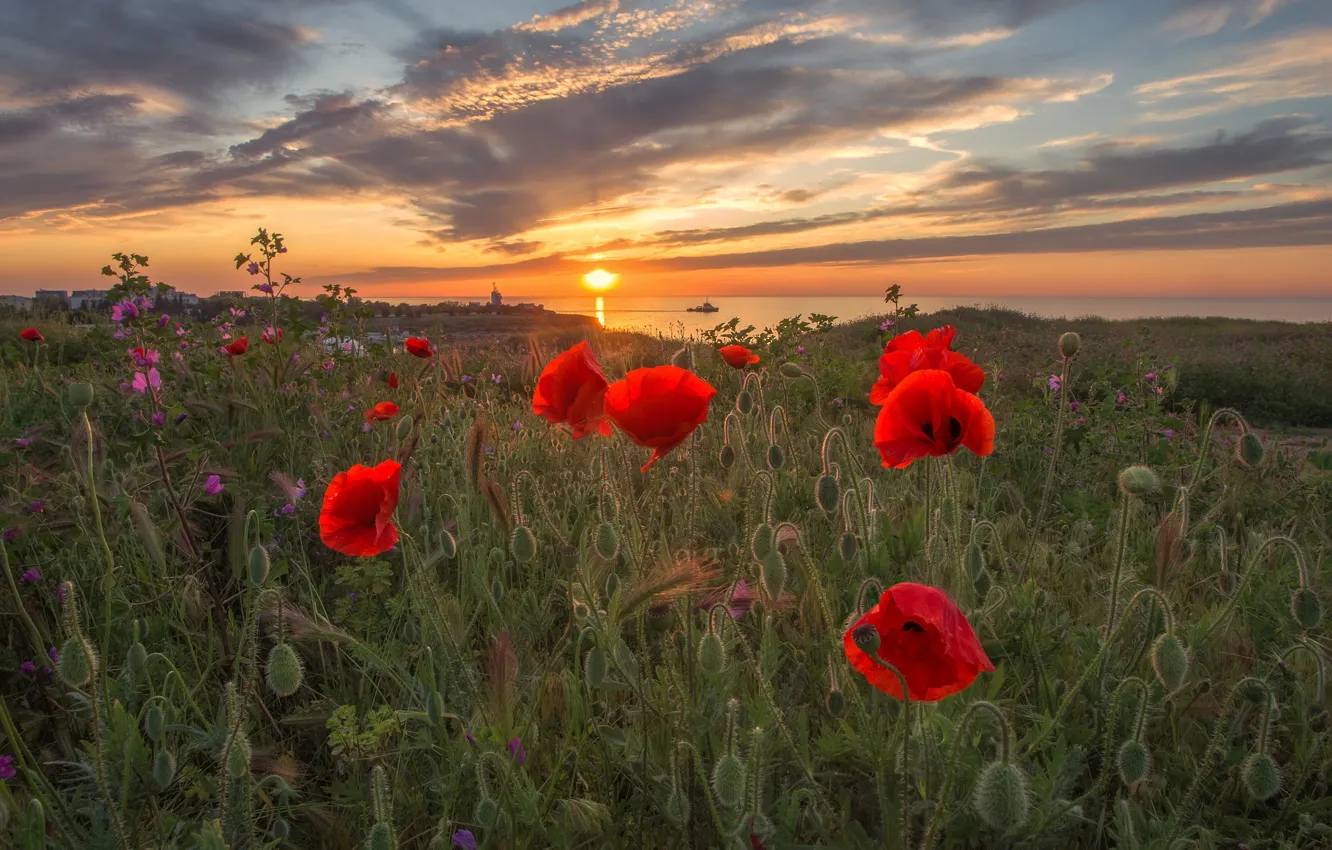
x: 736, y: 147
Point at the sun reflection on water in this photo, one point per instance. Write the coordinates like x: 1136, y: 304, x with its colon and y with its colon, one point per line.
x: 601, y: 311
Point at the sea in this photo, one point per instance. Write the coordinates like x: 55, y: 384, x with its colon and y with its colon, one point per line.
x: 669, y: 315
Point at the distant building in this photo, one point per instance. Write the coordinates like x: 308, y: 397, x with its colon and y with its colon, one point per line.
x: 87, y: 299
x: 496, y: 299
x: 174, y: 298
x: 473, y: 303
x: 51, y: 294
x: 16, y: 302
x: 232, y: 293
x: 528, y: 305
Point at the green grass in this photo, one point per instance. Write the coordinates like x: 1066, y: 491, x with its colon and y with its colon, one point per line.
x: 407, y: 654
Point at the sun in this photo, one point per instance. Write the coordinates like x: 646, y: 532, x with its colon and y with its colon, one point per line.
x: 599, y: 280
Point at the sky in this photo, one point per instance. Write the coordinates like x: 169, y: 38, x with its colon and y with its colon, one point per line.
x: 415, y: 148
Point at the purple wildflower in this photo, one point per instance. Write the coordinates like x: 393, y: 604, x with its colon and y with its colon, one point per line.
x: 159, y: 418
x: 365, y: 428
x: 23, y: 442
x: 800, y: 349
x: 886, y: 324
x: 213, y: 485
x: 466, y: 379
x: 266, y: 288
x: 47, y: 671
x: 7, y: 771
x: 1048, y: 451
x: 1073, y: 406
x: 181, y: 417
x: 36, y: 506
x: 252, y: 268
x: 53, y: 655
x: 354, y: 596
x: 1150, y: 377
x: 516, y: 751
x: 495, y: 379
x: 838, y: 402
x: 463, y: 838
x: 1168, y: 433
x: 31, y: 576
x: 286, y: 510
x: 517, y: 426
x: 162, y: 320
x: 1121, y: 398
x: 10, y: 535
x: 468, y: 736
x: 1053, y: 383
x: 300, y: 491
x: 27, y: 668
x: 60, y: 592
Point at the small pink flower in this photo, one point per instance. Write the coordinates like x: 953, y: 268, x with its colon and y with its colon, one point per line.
x: 162, y: 320
x: 1122, y: 398
x: 28, y: 668
x: 800, y: 349
x: 23, y: 442
x: 1053, y: 383
x: 1150, y: 377
x: 252, y: 268
x: 213, y: 485
x: 159, y: 418
x: 31, y: 576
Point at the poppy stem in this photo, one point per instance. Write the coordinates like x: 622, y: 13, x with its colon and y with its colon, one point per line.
x: 1205, y: 442
x: 1119, y: 564
x: 1039, y: 524
x: 1248, y: 571
x: 961, y: 734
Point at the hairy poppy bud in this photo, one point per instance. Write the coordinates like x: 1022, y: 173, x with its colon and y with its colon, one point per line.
x: 594, y: 666
x: 607, y: 542
x: 1134, y: 762
x: 1069, y: 344
x: 487, y: 812
x: 154, y: 723
x: 1170, y: 661
x: 238, y: 756
x: 522, y: 544
x: 78, y: 661
x: 284, y: 669
x: 612, y: 585
x: 1140, y: 481
x: 827, y: 493
x: 835, y: 702
x: 744, y: 402
x: 1306, y: 608
x: 448, y: 544
x: 867, y: 638
x: 676, y: 807
x: 711, y: 654
x: 80, y: 395
x: 281, y: 829
x: 761, y: 542
x: 975, y: 561
x: 381, y: 838
x: 776, y: 457
x: 259, y: 565
x: 1251, y: 449
x: 136, y: 660
x: 496, y: 590
x: 726, y: 457
x: 791, y: 370
x: 1001, y: 796
x: 164, y: 768
x: 404, y: 428
x: 847, y: 546
x: 1260, y: 776
x: 728, y: 781
x: 772, y: 571
x: 581, y: 611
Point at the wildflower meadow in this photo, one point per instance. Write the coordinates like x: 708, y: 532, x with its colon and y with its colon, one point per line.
x: 757, y: 589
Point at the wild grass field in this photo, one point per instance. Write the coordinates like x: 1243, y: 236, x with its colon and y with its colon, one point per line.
x: 269, y: 596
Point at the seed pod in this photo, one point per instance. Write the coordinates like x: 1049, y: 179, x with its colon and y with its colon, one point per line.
x: 866, y: 638
x: 1001, y: 796
x: 136, y: 660
x: 835, y: 702
x: 409, y: 632
x: 607, y: 541
x: 381, y: 838
x: 1250, y: 449
x: 847, y: 546
x: 975, y: 560
x: 259, y: 565
x: 772, y: 571
x: 404, y: 428
x: 78, y: 662
x: 1260, y: 775
x: 284, y: 669
x: 448, y: 545
x: 728, y: 781
x: 827, y: 493
x: 711, y: 654
x: 80, y: 395
x: 744, y: 402
x: 281, y: 829
x: 594, y: 666
x: 164, y: 768
x: 612, y: 585
x: 497, y: 590
x: 238, y: 756
x: 1170, y: 661
x: 791, y: 370
x: 487, y: 812
x: 581, y: 611
x: 1253, y: 691
x: 1140, y: 481
x: 522, y: 544
x: 1069, y: 344
x: 776, y: 457
x: 726, y: 457
x: 154, y: 723
x: 676, y: 808
x: 1306, y: 608
x: 36, y: 822
x: 1134, y: 761
x: 761, y: 542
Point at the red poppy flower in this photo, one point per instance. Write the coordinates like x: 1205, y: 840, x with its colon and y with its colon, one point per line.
x: 237, y: 346
x: 572, y: 388
x: 31, y: 335
x: 357, y: 516
x: 382, y: 411
x: 418, y: 347
x: 911, y: 352
x: 271, y: 338
x: 659, y: 407
x: 737, y: 356
x: 927, y: 414
x: 393, y: 380
x: 921, y: 632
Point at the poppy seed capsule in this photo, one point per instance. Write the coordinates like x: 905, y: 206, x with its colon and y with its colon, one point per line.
x: 164, y: 768
x: 772, y: 572
x: 78, y: 661
x: 80, y: 395
x: 1069, y: 344
x: 728, y: 781
x: 1134, y: 762
x: 744, y: 402
x: 1260, y: 775
x: 522, y: 544
x: 612, y: 585
x: 448, y: 545
x: 776, y: 457
x: 1140, y: 481
x: 762, y: 541
x: 607, y: 542
x: 866, y: 638
x: 711, y: 654
x: 259, y: 565
x: 284, y: 669
x: 1306, y: 608
x: 1001, y: 796
x: 827, y: 493
x: 791, y: 370
x: 847, y: 546
x: 1170, y: 661
x: 594, y: 666
x: 726, y: 457
x: 154, y: 723
x: 381, y: 838
x: 1251, y: 449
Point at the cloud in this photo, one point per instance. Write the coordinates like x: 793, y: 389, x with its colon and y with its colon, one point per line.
x: 570, y: 16
x: 1197, y: 18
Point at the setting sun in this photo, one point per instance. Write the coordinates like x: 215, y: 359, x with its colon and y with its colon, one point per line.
x: 599, y: 280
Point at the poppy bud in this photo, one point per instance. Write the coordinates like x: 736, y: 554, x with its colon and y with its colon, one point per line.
x: 835, y: 702
x: 284, y: 669
x: 381, y: 838
x: 726, y: 457
x: 772, y: 571
x: 791, y: 370
x: 975, y: 561
x: 1170, y: 661
x: 776, y: 457
x: 744, y: 402
x: 448, y: 544
x: 728, y: 781
x: 404, y: 428
x: 711, y: 654
x: 847, y: 546
x: 866, y: 638
x: 487, y: 812
x: 409, y: 632
x: 1134, y: 762
x: 612, y: 585
x: 522, y: 544
x: 1260, y: 775
x: 154, y: 723
x: 78, y: 661
x: 676, y: 808
x: 281, y: 829
x: 1306, y: 608
x: 136, y: 660
x: 827, y: 493
x: 259, y: 565
x: 1252, y: 690
x: 581, y: 611
x: 607, y: 541
x: 1139, y: 481
x: 238, y: 756
x: 762, y: 541
x: 594, y: 666
x: 164, y: 768
x: 496, y: 590
x: 80, y: 395
x: 1001, y: 796
x: 982, y: 582
x: 1069, y: 344
x: 1251, y: 449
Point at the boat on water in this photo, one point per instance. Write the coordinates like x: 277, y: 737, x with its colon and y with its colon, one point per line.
x: 705, y: 307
